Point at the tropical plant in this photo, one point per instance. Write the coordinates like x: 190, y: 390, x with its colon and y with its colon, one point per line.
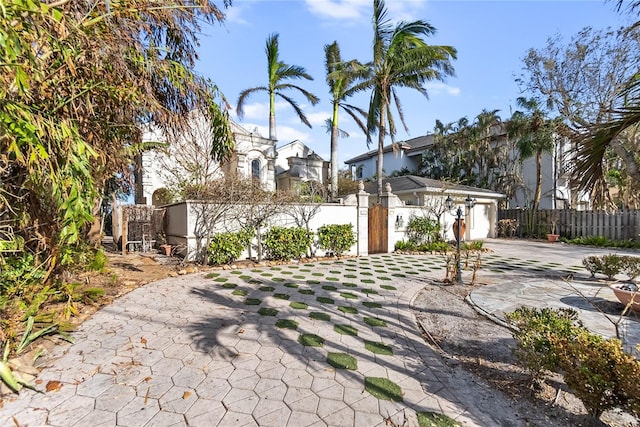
x: 336, y: 238
x: 279, y: 73
x: 401, y: 59
x: 340, y: 78
x: 535, y: 135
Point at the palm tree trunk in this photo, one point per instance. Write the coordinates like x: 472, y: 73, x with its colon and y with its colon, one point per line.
x: 272, y: 116
x: 334, y: 152
x: 381, y: 134
x: 538, y: 194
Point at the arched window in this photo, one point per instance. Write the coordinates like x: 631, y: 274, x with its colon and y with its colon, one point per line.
x: 255, y: 169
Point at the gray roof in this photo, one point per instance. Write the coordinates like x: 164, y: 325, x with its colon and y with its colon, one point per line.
x: 410, y: 183
x: 411, y: 146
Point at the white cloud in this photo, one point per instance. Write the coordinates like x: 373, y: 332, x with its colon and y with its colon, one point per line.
x: 318, y: 119
x: 340, y: 9
x: 287, y: 134
x: 437, y: 88
x: 352, y: 10
x: 256, y: 111
x: 234, y: 15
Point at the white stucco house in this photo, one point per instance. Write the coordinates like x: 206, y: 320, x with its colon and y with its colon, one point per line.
x: 253, y: 156
x: 556, y: 190
x: 296, y: 163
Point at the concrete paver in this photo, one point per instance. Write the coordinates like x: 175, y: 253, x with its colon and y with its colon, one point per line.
x: 201, y: 349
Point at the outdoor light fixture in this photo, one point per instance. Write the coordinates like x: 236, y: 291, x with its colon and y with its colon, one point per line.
x: 399, y: 222
x: 449, y: 204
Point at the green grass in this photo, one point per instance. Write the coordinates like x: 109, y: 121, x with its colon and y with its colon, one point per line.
x: 235, y: 272
x: 371, y: 304
x: 220, y: 279
x: 229, y: 285
x: 276, y: 268
x: 252, y: 301
x: 332, y: 279
x: 345, y: 330
x: 383, y: 389
x: 311, y: 340
x: 297, y: 276
x: 266, y: 274
x: 369, y: 291
x: 315, y: 273
x: 244, y: 277
x: 335, y: 272
x: 366, y: 273
x: 431, y: 419
x: 325, y: 300
x: 286, y: 272
x: 278, y: 279
x: 342, y: 361
x: 313, y: 282
x: 212, y: 275
x: 240, y: 292
x: 399, y: 275
x: 306, y: 292
x: 378, y: 348
x: 298, y: 305
x: 287, y: 324
x: 329, y: 288
x: 349, y: 285
x: 290, y: 285
x: 281, y: 296
x: 374, y: 321
x: 350, y: 276
x: 255, y: 282
x: 389, y: 287
x: 266, y: 288
x: 318, y: 315
x: 264, y: 311
x: 384, y: 278
x: 348, y: 295
x: 348, y: 310
x: 369, y: 281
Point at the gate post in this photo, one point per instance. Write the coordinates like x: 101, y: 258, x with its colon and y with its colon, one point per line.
x: 362, y: 227
x: 386, y: 201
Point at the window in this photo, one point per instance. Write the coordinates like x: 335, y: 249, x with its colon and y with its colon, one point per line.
x: 359, y: 172
x: 255, y: 169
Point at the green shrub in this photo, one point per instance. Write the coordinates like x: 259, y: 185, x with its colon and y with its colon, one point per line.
x: 612, y: 264
x: 225, y: 248
x: 283, y: 243
x: 593, y: 264
x: 597, y: 370
x: 631, y: 266
x: 336, y: 238
x: 401, y: 245
x: 422, y: 230
x: 535, y: 329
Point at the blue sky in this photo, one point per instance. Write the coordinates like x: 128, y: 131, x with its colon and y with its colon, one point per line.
x: 491, y: 38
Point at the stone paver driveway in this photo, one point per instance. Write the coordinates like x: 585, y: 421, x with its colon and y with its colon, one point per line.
x: 310, y: 344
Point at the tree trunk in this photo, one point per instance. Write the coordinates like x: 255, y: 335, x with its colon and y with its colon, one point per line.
x: 334, y: 153
x: 272, y: 116
x: 381, y: 135
x: 95, y: 231
x: 538, y: 194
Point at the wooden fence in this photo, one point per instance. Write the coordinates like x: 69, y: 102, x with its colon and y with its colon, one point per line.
x: 621, y: 225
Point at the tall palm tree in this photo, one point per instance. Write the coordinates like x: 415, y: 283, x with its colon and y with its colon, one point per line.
x: 279, y: 73
x: 340, y: 78
x: 401, y: 58
x: 534, y: 136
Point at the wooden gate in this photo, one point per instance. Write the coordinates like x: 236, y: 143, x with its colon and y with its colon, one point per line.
x: 378, y: 232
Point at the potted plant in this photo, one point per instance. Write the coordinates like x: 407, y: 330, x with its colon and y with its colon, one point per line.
x: 553, y: 237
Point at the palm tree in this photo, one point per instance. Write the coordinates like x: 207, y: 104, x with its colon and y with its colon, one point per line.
x: 534, y: 135
x: 279, y: 73
x: 340, y: 78
x: 400, y: 59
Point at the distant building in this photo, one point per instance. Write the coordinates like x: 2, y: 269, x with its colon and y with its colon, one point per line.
x: 296, y: 163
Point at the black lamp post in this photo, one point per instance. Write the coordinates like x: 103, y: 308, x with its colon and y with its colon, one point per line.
x: 449, y: 203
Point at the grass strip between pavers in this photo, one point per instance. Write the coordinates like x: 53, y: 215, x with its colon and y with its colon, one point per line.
x: 342, y: 361
x: 298, y: 305
x: 252, y: 301
x: 264, y: 311
x: 374, y: 321
x: 311, y: 340
x: 431, y: 419
x: 378, y: 348
x: 287, y: 324
x: 348, y: 310
x: 345, y: 330
x: 383, y: 388
x: 319, y: 315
